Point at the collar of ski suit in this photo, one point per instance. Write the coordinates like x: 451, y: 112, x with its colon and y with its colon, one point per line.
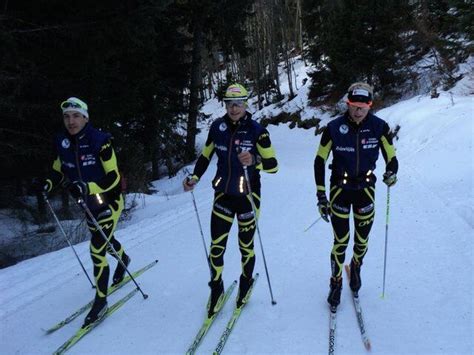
x: 244, y: 120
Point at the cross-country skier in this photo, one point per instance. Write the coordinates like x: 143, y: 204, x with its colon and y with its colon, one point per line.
x: 354, y: 139
x: 87, y: 166
x: 238, y: 141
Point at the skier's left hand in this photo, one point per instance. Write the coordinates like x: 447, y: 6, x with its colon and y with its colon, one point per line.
x: 390, y: 178
x: 246, y: 158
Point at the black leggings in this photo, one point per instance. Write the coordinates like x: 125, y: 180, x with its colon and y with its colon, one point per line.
x: 107, y: 219
x: 223, y: 211
x: 363, y: 208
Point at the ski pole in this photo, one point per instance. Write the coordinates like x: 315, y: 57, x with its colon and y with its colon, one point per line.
x: 200, y: 227
x: 65, y: 237
x: 252, y: 202
x: 111, y: 247
x: 312, y: 224
x: 386, y: 240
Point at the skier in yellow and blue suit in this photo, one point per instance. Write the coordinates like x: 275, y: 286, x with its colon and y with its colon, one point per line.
x: 238, y: 141
x: 87, y: 166
x: 354, y: 140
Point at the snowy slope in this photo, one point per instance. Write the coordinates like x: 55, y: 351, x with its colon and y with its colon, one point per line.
x: 428, y: 303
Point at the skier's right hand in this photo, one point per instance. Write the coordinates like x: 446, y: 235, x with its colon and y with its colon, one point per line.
x: 323, y: 205
x: 190, y: 182
x: 40, y: 186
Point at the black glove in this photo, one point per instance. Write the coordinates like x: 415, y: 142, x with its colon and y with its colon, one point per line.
x: 390, y: 178
x: 40, y: 186
x: 323, y: 205
x: 78, y: 189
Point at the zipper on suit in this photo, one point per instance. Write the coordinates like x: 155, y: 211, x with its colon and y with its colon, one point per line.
x: 229, y: 160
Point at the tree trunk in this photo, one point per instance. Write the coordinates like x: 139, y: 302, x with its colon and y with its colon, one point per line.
x: 196, y: 81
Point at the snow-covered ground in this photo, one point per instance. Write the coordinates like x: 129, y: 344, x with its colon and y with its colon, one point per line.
x: 428, y: 301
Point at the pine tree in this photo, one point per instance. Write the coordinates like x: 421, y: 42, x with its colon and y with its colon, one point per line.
x: 356, y: 40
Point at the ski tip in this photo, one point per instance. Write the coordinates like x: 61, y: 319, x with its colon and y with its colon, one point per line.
x: 274, y: 303
x: 382, y: 296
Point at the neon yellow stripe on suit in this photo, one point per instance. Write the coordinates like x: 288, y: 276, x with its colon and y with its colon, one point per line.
x: 246, y: 223
x: 363, y: 243
x: 109, y: 223
x: 57, y: 170
x: 220, y: 215
x: 340, y: 215
x: 216, y: 252
x: 57, y: 165
x: 267, y: 153
x: 363, y: 217
x: 371, y: 195
x: 256, y: 197
x: 223, y: 216
x: 108, y: 166
x: 339, y: 242
x: 324, y: 150
x: 389, y: 149
x: 207, y: 151
x: 247, y: 252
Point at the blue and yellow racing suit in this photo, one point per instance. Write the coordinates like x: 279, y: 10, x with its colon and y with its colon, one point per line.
x: 355, y: 149
x: 227, y: 139
x: 89, y: 157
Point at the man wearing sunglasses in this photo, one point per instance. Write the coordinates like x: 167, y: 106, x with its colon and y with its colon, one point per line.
x: 354, y: 139
x: 87, y: 166
x: 238, y: 141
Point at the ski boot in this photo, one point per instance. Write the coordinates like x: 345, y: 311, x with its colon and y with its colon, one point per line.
x: 334, y: 297
x: 355, y: 282
x: 216, y: 299
x: 244, y: 287
x: 97, y: 312
x: 120, y: 270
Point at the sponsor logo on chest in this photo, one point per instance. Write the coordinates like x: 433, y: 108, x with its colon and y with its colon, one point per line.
x: 244, y: 144
x: 345, y: 149
x: 87, y: 159
x: 369, y: 143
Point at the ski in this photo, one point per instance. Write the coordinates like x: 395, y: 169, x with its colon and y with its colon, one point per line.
x: 360, y: 318
x: 233, y: 319
x: 332, y: 330
x: 208, y: 322
x: 111, y: 290
x: 83, y: 331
